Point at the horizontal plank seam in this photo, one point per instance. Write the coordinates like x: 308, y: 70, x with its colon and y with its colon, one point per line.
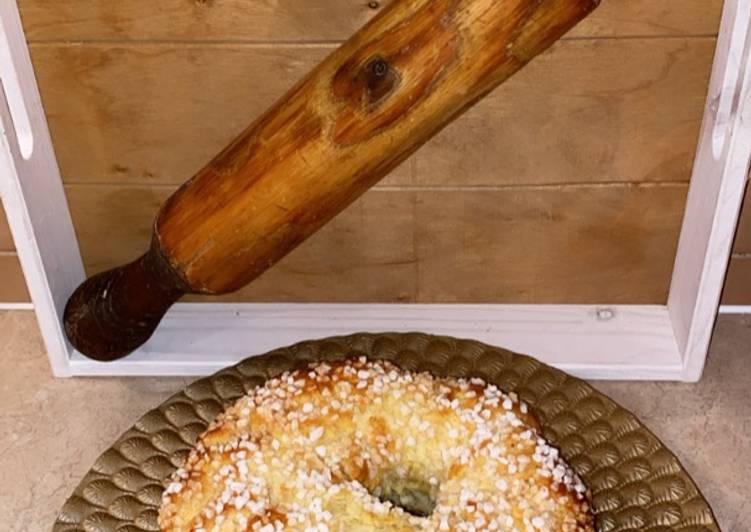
x: 8, y: 253
x: 300, y: 44
x: 746, y: 255
x: 538, y: 186
x: 428, y: 188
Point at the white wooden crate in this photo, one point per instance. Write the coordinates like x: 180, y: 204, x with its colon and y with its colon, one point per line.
x: 667, y: 342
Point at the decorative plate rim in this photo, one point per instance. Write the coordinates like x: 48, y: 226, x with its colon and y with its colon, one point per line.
x: 636, y: 481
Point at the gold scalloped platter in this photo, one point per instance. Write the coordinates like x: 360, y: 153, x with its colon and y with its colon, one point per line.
x: 637, y: 484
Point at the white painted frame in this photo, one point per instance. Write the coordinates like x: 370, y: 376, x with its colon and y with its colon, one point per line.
x: 661, y: 342
x: 735, y: 309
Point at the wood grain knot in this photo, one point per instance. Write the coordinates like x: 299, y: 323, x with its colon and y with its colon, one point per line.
x: 366, y: 83
x: 380, y: 79
x: 394, y: 73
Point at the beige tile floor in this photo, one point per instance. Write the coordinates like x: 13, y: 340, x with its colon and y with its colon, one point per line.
x: 55, y: 429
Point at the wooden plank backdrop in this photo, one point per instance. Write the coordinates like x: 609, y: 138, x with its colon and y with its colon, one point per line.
x: 738, y: 285
x: 6, y: 240
x: 743, y: 239
x: 12, y: 285
x: 155, y: 113
x: 565, y: 186
x: 310, y: 20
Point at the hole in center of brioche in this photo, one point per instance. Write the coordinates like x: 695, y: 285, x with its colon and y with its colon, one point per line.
x: 416, y: 496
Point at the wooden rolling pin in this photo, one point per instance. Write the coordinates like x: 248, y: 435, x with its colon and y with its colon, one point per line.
x: 398, y: 81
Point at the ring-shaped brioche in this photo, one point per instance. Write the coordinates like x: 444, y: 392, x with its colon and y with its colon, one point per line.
x: 362, y: 446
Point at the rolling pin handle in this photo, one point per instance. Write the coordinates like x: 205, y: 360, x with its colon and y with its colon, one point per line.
x: 115, y: 312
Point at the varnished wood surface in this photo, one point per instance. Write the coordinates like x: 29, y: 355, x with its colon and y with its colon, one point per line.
x: 738, y: 283
x: 586, y: 112
x: 310, y: 20
x: 519, y: 245
x: 156, y: 113
x: 12, y: 284
x: 152, y: 90
x: 358, y: 114
x: 343, y: 127
x: 366, y: 252
x: 6, y: 240
x: 115, y: 312
x: 743, y: 239
x: 557, y: 245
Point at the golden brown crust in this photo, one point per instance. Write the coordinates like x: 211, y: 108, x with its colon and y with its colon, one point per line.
x: 315, y: 449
